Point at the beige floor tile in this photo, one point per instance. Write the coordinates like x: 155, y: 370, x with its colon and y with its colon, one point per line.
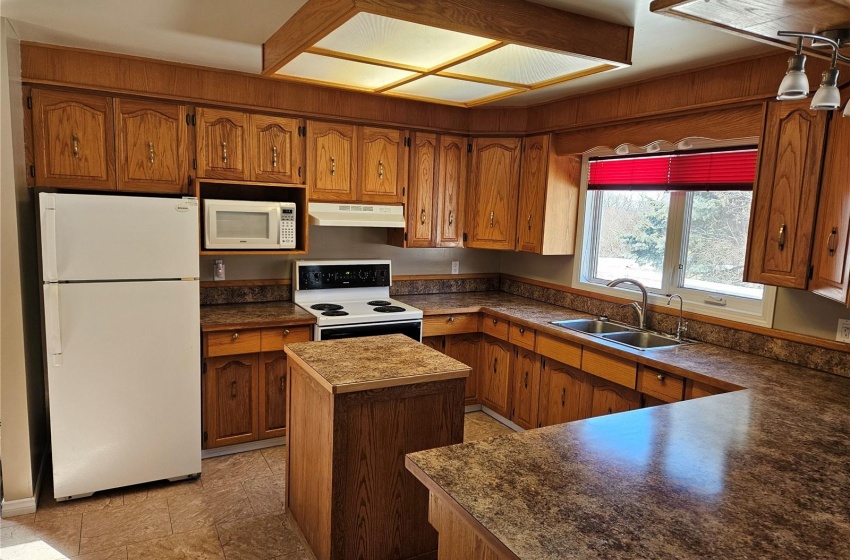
x: 259, y: 538
x: 123, y: 525
x: 300, y: 555
x: 276, y: 458
x: 209, y: 507
x: 201, y: 544
x: 161, y: 489
x: 230, y: 469
x: 119, y: 553
x: 478, y: 425
x: 49, y: 508
x: 29, y: 538
x: 265, y: 494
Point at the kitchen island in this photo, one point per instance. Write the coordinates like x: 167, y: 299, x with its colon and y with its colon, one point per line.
x: 355, y: 407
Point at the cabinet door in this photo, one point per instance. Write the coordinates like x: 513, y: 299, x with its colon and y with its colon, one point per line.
x: 532, y: 193
x: 495, y: 375
x: 565, y: 394
x: 436, y: 342
x: 526, y: 388
x: 152, y: 147
x: 610, y: 398
x: 421, y: 210
x: 785, y: 195
x: 222, y: 144
x: 331, y: 163
x: 276, y: 150
x: 494, y: 183
x: 466, y: 348
x: 74, y: 140
x: 383, y: 165
x: 451, y: 190
x: 831, y: 265
x: 272, y: 391
x: 230, y: 411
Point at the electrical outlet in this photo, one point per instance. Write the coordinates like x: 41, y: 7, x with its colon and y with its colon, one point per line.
x: 843, y: 333
x: 455, y: 267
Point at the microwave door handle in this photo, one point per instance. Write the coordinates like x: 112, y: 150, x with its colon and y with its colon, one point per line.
x: 274, y: 226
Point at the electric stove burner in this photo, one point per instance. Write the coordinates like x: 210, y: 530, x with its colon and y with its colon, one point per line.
x: 389, y: 309
x: 379, y: 302
x: 334, y: 312
x: 327, y: 307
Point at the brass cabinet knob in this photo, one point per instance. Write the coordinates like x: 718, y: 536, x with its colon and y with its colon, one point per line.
x: 522, y: 330
x: 235, y: 336
x: 660, y: 377
x: 451, y: 318
x: 285, y: 332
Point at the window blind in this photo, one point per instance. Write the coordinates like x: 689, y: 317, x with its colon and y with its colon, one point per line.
x: 727, y: 170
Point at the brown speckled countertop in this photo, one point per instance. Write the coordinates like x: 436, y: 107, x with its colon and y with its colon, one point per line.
x: 758, y: 473
x: 253, y: 315
x: 359, y: 364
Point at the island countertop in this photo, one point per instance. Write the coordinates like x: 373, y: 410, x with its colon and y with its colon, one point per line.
x: 373, y: 362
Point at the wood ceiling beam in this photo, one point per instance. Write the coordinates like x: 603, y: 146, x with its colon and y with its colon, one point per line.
x: 510, y: 21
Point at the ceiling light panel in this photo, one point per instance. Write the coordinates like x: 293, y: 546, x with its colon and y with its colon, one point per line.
x: 523, y: 65
x: 449, y: 90
x: 392, y: 40
x: 313, y: 67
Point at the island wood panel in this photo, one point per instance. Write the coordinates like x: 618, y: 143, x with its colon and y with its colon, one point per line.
x: 525, y: 388
x: 382, y: 165
x: 458, y: 540
x: 831, y: 273
x: 451, y: 190
x: 566, y: 394
x: 277, y: 149
x: 152, y: 143
x: 230, y: 399
x: 222, y: 144
x: 493, y: 184
x: 785, y: 195
x: 380, y: 511
x: 332, y: 161
x: 74, y: 140
x: 422, y: 205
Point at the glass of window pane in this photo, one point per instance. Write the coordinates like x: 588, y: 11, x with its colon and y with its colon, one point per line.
x: 631, y: 236
x: 716, y: 242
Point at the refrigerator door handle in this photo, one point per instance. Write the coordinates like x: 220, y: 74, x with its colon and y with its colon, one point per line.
x: 48, y: 238
x: 54, y: 334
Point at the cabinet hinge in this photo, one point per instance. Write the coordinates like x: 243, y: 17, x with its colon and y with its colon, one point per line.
x: 205, y: 436
x: 403, y: 190
x: 191, y: 180
x: 194, y: 164
x: 29, y: 102
x: 464, y: 237
x: 299, y: 170
x: 32, y: 171
x: 811, y: 271
x: 469, y: 147
x: 405, y: 236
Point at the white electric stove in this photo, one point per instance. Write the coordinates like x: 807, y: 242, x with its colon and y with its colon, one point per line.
x: 351, y: 298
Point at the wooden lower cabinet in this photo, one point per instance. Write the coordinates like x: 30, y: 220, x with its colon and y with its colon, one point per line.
x: 526, y: 388
x: 495, y: 372
x: 230, y: 400
x: 272, y: 405
x: 466, y: 348
x: 436, y: 342
x: 566, y: 394
x: 610, y: 398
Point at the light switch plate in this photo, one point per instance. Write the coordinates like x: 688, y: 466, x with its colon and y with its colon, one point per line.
x: 455, y: 267
x: 843, y: 333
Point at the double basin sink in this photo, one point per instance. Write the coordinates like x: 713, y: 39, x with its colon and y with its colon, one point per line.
x: 622, y: 334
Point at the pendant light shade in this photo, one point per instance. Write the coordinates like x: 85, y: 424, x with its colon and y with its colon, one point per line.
x: 827, y: 97
x: 795, y: 84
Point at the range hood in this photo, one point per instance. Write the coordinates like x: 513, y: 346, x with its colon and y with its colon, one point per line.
x: 356, y: 215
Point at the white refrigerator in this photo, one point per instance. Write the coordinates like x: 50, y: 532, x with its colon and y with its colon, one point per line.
x: 122, y: 339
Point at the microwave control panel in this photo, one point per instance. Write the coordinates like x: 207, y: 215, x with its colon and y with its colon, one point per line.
x: 287, y: 226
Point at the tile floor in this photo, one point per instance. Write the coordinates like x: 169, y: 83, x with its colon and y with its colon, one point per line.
x: 234, y: 511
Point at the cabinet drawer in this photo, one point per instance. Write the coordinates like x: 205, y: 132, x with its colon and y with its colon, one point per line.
x: 568, y: 353
x: 612, y: 368
x: 227, y: 343
x: 697, y: 389
x: 522, y: 336
x: 274, y: 339
x: 495, y: 327
x: 456, y: 323
x: 668, y: 388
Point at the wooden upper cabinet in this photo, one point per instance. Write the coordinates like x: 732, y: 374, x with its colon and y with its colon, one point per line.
x: 277, y: 149
x: 383, y: 165
x: 451, y: 190
x: 547, y: 212
x: 785, y: 195
x: 421, y: 214
x: 331, y: 161
x: 74, y: 145
x: 495, y: 372
x: 832, y: 234
x: 152, y: 146
x: 493, y: 185
x: 526, y: 388
x: 565, y: 394
x: 222, y: 144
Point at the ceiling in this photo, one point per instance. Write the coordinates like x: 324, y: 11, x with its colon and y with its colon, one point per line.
x: 227, y: 34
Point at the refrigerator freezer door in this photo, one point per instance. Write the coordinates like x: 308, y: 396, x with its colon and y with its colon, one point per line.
x: 125, y: 401
x: 96, y: 237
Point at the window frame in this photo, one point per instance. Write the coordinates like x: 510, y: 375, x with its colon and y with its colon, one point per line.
x: 739, y: 309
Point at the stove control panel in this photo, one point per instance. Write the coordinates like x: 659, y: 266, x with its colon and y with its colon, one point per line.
x: 329, y: 276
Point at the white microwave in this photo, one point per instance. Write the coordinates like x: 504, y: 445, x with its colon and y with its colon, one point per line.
x: 245, y: 224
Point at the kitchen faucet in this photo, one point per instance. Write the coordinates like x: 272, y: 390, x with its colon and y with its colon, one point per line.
x: 682, y: 327
x: 641, y: 308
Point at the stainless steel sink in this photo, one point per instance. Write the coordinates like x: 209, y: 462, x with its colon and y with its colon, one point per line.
x: 642, y: 339
x: 593, y: 326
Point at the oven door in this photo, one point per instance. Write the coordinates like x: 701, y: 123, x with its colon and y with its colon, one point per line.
x: 413, y: 329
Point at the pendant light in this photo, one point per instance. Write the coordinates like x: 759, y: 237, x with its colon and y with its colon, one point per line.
x: 795, y: 83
